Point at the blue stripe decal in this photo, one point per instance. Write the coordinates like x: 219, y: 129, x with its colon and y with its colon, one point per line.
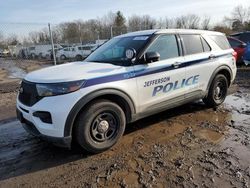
x: 142, y: 72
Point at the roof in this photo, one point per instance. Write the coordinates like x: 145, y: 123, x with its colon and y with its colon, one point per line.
x: 166, y: 31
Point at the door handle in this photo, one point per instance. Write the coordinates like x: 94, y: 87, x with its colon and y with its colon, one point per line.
x: 212, y: 56
x: 176, y: 64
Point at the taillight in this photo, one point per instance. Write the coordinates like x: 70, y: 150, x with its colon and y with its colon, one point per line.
x: 234, y: 53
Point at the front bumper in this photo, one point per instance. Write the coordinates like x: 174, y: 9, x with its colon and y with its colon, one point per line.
x: 31, y: 128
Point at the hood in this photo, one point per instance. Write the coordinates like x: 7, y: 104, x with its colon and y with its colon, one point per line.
x: 72, y: 72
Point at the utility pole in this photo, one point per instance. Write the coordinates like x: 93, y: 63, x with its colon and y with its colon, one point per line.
x: 80, y: 33
x: 52, y: 44
x: 111, y: 32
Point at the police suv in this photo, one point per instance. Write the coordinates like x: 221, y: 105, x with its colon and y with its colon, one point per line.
x: 129, y: 77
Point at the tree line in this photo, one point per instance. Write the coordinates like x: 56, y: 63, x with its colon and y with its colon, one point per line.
x: 113, y: 24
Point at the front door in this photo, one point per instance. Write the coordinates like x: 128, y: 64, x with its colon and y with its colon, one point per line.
x: 161, y: 81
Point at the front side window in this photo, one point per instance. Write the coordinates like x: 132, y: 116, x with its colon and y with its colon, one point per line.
x: 166, y: 46
x: 114, y: 51
x: 192, y: 44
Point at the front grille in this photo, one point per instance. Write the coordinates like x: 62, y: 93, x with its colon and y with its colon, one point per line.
x: 28, y: 94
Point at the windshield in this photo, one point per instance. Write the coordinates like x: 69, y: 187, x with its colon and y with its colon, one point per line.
x: 114, y: 51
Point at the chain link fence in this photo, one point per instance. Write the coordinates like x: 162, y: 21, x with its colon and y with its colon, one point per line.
x: 53, y: 43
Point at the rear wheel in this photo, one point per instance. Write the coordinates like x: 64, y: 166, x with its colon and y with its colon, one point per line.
x: 62, y: 57
x: 100, y: 126
x: 217, y: 92
x: 78, y: 57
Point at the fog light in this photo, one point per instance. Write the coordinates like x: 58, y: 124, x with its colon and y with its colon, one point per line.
x: 44, y: 116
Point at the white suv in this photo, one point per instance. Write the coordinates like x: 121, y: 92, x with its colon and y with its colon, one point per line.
x: 129, y: 77
x: 76, y: 52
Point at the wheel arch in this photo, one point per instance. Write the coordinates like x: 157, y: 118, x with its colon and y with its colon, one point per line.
x: 225, y: 70
x: 114, y: 95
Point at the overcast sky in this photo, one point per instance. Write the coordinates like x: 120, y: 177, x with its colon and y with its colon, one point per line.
x: 55, y: 11
x: 20, y: 17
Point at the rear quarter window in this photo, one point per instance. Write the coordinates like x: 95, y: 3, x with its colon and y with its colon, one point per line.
x: 221, y: 41
x: 206, y: 46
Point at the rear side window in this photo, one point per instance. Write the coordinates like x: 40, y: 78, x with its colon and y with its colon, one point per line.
x: 166, y: 46
x: 192, y: 44
x: 221, y: 41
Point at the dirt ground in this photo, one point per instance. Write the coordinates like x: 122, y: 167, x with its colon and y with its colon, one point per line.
x: 189, y: 146
x: 11, y: 73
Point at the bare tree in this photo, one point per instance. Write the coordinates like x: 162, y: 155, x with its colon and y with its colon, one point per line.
x: 41, y: 36
x: 134, y: 23
x: 148, y: 22
x: 205, y: 23
x: 12, y: 39
x: 190, y: 21
x: 241, y: 14
x: 1, y: 40
x: 223, y: 29
x: 239, y: 19
x: 169, y: 23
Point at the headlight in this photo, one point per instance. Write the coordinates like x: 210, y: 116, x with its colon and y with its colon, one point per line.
x: 52, y: 89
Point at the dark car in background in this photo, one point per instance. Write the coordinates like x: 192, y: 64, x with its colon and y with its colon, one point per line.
x: 239, y: 47
x: 244, y: 37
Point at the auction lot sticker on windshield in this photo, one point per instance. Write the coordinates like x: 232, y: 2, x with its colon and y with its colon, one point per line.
x: 141, y: 38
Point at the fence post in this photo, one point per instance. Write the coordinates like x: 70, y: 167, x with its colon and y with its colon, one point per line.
x: 111, y: 32
x: 52, y: 44
x: 80, y: 33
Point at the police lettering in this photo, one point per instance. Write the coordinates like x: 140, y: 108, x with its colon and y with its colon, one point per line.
x: 171, y: 86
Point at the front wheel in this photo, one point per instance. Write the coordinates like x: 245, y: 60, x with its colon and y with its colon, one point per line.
x: 100, y: 126
x: 217, y: 92
x: 79, y: 58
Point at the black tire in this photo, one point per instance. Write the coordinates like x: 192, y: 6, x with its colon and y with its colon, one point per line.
x: 78, y: 57
x: 33, y: 56
x: 62, y: 57
x: 100, y: 126
x: 217, y: 92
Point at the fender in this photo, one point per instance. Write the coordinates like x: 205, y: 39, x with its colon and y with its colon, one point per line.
x: 216, y: 71
x: 87, y: 98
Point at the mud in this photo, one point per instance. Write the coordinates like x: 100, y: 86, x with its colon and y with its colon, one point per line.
x: 189, y: 146
x: 11, y: 73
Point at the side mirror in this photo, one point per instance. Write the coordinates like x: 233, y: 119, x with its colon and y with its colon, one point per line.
x: 151, y: 57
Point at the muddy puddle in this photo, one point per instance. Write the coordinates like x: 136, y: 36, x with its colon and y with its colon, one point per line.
x: 13, y: 71
x: 189, y: 146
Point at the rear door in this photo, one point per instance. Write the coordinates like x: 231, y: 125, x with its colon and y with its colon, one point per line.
x: 198, y: 58
x: 160, y: 82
